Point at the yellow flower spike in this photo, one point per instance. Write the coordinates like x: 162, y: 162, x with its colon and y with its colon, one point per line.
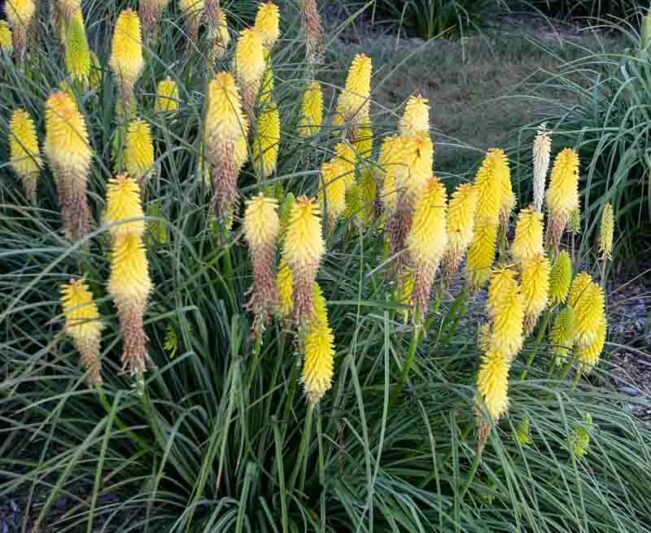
x: 318, y: 342
x: 126, y: 60
x: 588, y: 354
x: 562, y: 194
x: 123, y: 204
x: 484, y: 337
x: 139, y: 151
x: 507, y: 197
x: 427, y: 240
x: 68, y: 8
x: 367, y: 191
x: 261, y: 230
x: 561, y: 336
x: 535, y: 289
x: 19, y: 14
x: 587, y: 299
x: 332, y: 190
x: 77, y: 53
x: 354, y: 100
x: 415, y: 118
x: 129, y: 286
x: 192, y: 11
x: 606, y: 231
x: 460, y: 226
x: 489, y: 183
x: 249, y: 66
x: 285, y: 288
x: 346, y: 157
x: 83, y: 326
x: 481, y: 253
x: 528, y: 240
x: 225, y: 133
x: 267, y: 24
x: 24, y: 154
x: 502, y: 285
x: 391, y: 162
x: 560, y: 279
x: 493, y: 383
x: 69, y: 155
x: 419, y: 158
x: 311, y: 110
x: 541, y: 152
x: 303, y: 249
x: 218, y: 31
x: 6, y: 38
x: 362, y: 137
x: 508, y: 322
x: 167, y: 96
x: 266, y: 141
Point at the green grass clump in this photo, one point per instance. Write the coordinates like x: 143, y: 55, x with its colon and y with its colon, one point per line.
x: 219, y: 437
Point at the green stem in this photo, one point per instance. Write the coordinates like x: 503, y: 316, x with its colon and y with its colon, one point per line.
x: 473, y: 471
x: 409, y: 361
x: 302, y: 450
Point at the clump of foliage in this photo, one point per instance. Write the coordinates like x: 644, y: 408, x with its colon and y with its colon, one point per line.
x: 224, y: 309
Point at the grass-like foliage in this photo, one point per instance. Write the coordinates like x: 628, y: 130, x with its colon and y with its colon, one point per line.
x: 219, y: 426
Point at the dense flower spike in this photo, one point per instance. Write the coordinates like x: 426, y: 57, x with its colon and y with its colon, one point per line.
x: 507, y: 316
x: 318, y: 342
x: 481, y: 253
x: 124, y: 207
x: 24, y: 154
x: 266, y: 141
x: 415, y: 118
x: 126, y: 60
x: 249, y: 66
x: 167, y: 96
x: 6, y: 38
x: 129, y: 286
x: 460, y: 226
x: 303, y: 248
x: 541, y: 153
x: 488, y: 183
x: 418, y: 151
x: 587, y: 299
x: 332, y: 190
x: 19, y: 14
x: 83, y: 326
x: 261, y: 229
x: 535, y: 289
x: 560, y: 278
x: 151, y: 12
x: 354, y: 100
x: 311, y: 110
x: 267, y: 24
x: 606, y: 231
x: 285, y: 289
x: 503, y: 284
x: 69, y: 156
x: 192, y: 11
x: 217, y: 29
x: 267, y: 87
x: 225, y: 132
x: 528, y: 241
x: 77, y: 52
x: 391, y: 163
x: 312, y: 31
x: 563, y: 194
x: 561, y: 336
x: 139, y: 151
x: 493, y: 382
x: 427, y: 240
x: 507, y: 198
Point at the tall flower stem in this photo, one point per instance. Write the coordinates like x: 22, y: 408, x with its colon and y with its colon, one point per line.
x: 301, y: 458
x: 541, y: 333
x: 409, y: 361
